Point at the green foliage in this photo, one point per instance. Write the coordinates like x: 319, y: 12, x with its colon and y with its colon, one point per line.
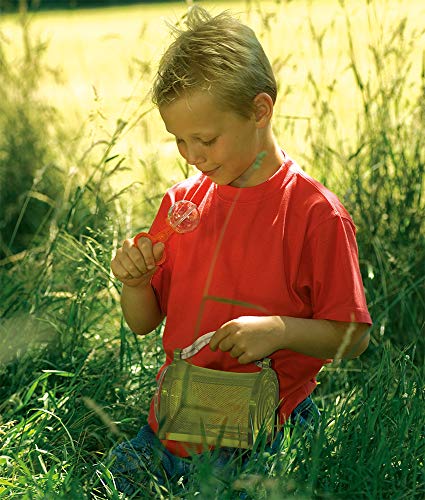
x: 379, y: 174
x: 30, y: 180
x: 43, y: 189
x: 74, y: 381
x: 14, y: 5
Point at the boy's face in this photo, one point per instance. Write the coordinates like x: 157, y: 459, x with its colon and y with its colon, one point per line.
x: 221, y: 144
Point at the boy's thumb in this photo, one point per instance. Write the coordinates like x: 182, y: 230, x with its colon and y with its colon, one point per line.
x: 158, y: 250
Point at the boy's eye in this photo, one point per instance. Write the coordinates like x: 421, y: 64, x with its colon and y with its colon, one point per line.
x: 204, y: 143
x: 209, y: 143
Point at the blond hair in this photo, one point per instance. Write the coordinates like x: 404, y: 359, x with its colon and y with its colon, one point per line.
x: 216, y: 54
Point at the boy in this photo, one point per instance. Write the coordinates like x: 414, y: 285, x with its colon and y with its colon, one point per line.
x: 272, y: 268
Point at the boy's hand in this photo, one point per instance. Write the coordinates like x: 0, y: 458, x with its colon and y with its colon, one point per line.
x: 134, y: 265
x: 249, y: 338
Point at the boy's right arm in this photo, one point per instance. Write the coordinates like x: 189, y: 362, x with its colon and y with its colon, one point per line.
x: 134, y: 265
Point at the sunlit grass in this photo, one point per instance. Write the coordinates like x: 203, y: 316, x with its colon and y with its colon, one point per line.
x: 74, y: 380
x: 107, y: 58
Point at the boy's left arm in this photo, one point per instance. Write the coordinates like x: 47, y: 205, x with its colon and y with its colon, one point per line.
x: 250, y: 338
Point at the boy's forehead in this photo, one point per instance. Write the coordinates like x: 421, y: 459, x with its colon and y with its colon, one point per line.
x: 196, y: 111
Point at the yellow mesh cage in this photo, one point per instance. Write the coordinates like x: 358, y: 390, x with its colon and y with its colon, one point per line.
x: 214, y: 407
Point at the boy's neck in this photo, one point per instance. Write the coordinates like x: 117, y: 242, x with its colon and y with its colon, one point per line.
x: 270, y: 164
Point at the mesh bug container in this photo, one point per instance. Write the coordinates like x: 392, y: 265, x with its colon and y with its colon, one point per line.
x: 214, y: 407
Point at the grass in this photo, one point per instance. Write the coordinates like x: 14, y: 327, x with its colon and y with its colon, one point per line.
x: 106, y: 59
x: 74, y: 381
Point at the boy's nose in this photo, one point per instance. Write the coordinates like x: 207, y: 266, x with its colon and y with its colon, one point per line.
x: 194, y: 156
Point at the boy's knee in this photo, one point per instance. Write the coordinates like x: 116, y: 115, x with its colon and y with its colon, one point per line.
x: 306, y: 415
x: 143, y: 458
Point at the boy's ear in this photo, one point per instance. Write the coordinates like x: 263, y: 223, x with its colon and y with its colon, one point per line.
x: 263, y: 109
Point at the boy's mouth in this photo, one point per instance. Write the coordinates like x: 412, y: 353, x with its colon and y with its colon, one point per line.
x: 210, y: 172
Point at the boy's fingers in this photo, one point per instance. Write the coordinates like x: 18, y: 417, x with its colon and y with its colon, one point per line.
x: 218, y: 337
x: 122, y: 265
x: 134, y: 259
x: 158, y: 250
x: 143, y: 244
x: 146, y: 249
x: 118, y: 270
x: 236, y: 351
x: 244, y: 359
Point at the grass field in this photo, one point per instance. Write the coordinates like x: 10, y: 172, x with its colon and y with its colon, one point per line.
x: 74, y: 381
x: 106, y: 59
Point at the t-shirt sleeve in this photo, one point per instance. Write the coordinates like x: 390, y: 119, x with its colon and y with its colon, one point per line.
x: 330, y: 272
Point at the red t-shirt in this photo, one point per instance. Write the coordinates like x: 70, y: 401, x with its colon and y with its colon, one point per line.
x: 286, y: 247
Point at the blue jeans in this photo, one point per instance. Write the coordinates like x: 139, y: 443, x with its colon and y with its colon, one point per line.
x: 144, y: 457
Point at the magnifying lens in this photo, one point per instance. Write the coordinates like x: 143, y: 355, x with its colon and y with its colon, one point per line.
x: 183, y: 217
